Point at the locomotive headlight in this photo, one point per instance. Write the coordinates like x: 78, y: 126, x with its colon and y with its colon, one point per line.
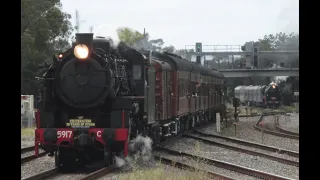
x: 273, y: 86
x: 81, y: 51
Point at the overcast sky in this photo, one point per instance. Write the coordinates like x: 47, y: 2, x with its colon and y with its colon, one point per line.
x: 184, y: 22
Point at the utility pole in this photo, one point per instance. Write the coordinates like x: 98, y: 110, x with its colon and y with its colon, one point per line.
x: 77, y: 27
x: 91, y: 29
x: 77, y: 22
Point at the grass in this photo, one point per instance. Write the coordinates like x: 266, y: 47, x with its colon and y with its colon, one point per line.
x: 291, y: 108
x: 164, y: 172
x: 161, y: 173
x: 27, y: 132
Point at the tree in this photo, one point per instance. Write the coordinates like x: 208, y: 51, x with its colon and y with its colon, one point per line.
x: 129, y: 36
x: 156, y: 44
x: 183, y: 53
x: 170, y: 49
x: 136, y: 39
x: 45, y: 30
x: 279, y: 41
x: 282, y: 42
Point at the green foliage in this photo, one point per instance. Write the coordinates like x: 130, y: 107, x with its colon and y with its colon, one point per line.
x: 45, y: 30
x: 128, y: 35
x: 170, y: 49
x: 135, y: 38
x: 156, y: 44
x: 27, y: 132
x: 279, y: 41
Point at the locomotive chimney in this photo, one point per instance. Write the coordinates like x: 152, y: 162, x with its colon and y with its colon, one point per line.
x: 84, y: 38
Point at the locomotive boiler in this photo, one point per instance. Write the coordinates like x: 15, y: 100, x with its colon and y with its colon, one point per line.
x: 96, y: 97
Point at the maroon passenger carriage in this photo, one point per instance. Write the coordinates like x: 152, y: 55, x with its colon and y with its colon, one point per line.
x: 95, y: 98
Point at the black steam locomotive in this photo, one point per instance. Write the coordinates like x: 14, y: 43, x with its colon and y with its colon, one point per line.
x: 272, y: 96
x: 96, y: 97
x: 88, y: 97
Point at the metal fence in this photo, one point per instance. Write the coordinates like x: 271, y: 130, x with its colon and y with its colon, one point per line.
x: 28, y: 120
x: 27, y: 111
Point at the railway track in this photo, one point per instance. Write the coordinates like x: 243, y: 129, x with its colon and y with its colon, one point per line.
x: 44, y: 174
x: 181, y: 165
x: 249, y: 115
x: 30, y: 157
x: 226, y: 165
x: 235, y: 148
x: 109, y: 170
x: 27, y: 149
x: 285, y: 131
x: 251, y: 144
x: 101, y: 172
x: 286, y: 135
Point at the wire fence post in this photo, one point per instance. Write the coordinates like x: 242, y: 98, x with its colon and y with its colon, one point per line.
x: 218, y: 122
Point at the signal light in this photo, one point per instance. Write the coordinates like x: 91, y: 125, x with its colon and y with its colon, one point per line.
x: 199, y: 47
x: 81, y: 51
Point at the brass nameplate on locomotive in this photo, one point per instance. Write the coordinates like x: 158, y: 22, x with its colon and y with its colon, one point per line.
x: 80, y: 123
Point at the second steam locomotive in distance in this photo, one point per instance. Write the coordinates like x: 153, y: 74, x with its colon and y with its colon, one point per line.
x: 95, y: 98
x: 261, y: 96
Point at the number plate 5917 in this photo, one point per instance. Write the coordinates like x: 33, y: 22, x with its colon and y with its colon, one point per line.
x: 64, y: 134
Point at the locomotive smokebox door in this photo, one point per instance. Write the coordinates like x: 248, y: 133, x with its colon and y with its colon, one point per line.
x: 236, y: 102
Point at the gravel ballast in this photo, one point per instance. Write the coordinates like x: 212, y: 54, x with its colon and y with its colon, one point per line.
x: 152, y: 169
x: 73, y: 176
x: 29, y: 153
x: 78, y: 174
x: 27, y: 141
x: 290, y: 122
x: 246, y: 131
x: 222, y: 141
x: 259, y: 163
x: 36, y: 166
x: 158, y: 171
x: 205, y: 166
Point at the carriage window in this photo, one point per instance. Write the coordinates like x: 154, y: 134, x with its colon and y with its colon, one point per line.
x: 136, y: 72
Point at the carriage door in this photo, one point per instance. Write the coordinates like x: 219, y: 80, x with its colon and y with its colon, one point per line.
x: 188, y: 94
x: 167, y: 89
x: 150, y: 92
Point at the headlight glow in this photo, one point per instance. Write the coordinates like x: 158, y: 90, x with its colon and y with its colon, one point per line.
x: 81, y: 51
